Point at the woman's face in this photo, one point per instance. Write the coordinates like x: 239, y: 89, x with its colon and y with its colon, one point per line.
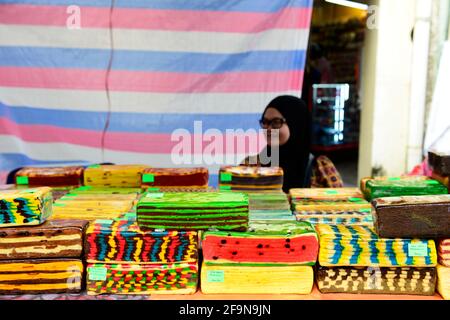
x: 272, y: 114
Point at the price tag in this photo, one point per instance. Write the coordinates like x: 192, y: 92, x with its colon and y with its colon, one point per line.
x: 418, y: 250
x: 104, y: 221
x: 21, y: 180
x: 153, y: 189
x: 97, y: 273
x: 215, y: 276
x: 148, y: 178
x: 355, y: 199
x: 155, y: 195
x: 225, y: 177
x: 94, y: 166
x: 394, y: 179
x: 225, y: 188
x: 331, y: 192
x: 84, y: 188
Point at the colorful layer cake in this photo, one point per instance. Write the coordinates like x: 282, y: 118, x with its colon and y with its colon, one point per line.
x: 324, y: 194
x: 360, y: 246
x: 265, y: 215
x: 50, y: 176
x: 439, y: 162
x: 413, y: 216
x: 105, y: 190
x: 53, y: 239
x: 271, y: 243
x: 396, y: 188
x: 37, y: 276
x: 179, y: 278
x: 114, y: 175
x: 25, y: 207
x: 246, y: 178
x: 363, y: 182
x: 444, y: 252
x: 268, y: 201
x: 362, y: 217
x: 193, y: 211
x: 162, y: 178
x: 369, y: 280
x: 89, y: 210
x: 219, y: 279
x: 443, y: 283
x: 123, y: 241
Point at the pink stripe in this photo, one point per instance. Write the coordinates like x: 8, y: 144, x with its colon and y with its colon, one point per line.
x: 120, y: 141
x: 150, y: 19
x: 139, y: 81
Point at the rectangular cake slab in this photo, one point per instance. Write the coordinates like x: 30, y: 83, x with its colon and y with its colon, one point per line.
x: 388, y: 188
x: 50, y: 176
x: 248, y: 178
x: 175, y: 177
x: 128, y: 176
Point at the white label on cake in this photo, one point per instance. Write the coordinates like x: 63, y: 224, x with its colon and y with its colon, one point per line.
x: 97, y: 273
x: 215, y: 276
x: 418, y: 249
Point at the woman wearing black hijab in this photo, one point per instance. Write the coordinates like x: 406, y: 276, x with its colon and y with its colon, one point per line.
x: 291, y: 117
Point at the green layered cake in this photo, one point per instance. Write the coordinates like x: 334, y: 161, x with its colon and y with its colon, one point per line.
x: 193, y: 211
x: 393, y: 188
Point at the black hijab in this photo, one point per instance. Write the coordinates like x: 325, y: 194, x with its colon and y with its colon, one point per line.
x: 294, y: 154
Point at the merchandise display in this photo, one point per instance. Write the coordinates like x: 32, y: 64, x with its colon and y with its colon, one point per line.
x: 25, y: 207
x: 41, y: 276
x: 444, y: 252
x: 193, y: 211
x: 161, y: 178
x: 114, y: 175
x: 52, y: 239
x: 360, y: 246
x: 439, y: 162
x: 179, y: 278
x: 237, y: 279
x: 413, y: 216
x: 374, y: 280
x: 249, y: 179
x: 396, y: 188
x: 266, y: 243
x: 50, y: 176
x: 443, y: 282
x: 122, y: 240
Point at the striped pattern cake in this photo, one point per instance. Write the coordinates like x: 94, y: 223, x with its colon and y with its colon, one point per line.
x: 114, y: 175
x: 249, y: 179
x: 363, y: 182
x: 193, y: 211
x: 25, y: 207
x: 395, y: 188
x: 444, y: 252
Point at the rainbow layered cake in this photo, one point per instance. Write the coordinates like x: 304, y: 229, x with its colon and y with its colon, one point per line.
x: 114, y: 175
x: 249, y: 179
x: 395, y: 188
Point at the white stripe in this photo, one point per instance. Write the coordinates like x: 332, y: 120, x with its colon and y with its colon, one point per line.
x: 212, y: 103
x: 153, y: 40
x: 69, y: 152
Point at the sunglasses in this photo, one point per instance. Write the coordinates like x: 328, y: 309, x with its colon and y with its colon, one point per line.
x: 275, y: 123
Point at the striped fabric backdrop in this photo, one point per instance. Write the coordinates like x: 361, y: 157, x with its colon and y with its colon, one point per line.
x: 145, y: 67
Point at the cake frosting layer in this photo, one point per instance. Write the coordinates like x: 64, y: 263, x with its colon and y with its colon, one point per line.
x: 178, y: 278
x: 52, y: 239
x: 360, y: 246
x: 25, y: 207
x: 50, y: 176
x: 248, y: 178
x: 369, y: 280
x: 193, y: 211
x: 266, y: 243
x: 175, y: 177
x: 38, y: 276
x: 394, y: 188
x: 122, y: 241
x: 114, y: 175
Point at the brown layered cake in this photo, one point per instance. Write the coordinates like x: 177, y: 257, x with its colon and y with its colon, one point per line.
x: 444, y: 252
x: 246, y: 178
x: 162, y: 178
x: 25, y: 207
x: 413, y: 216
x: 53, y: 239
x: 371, y: 280
x: 128, y: 176
x: 439, y: 162
x: 50, y: 176
x: 61, y: 275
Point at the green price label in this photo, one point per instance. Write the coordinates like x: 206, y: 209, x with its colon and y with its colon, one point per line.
x: 153, y: 189
x: 215, y: 276
x: 84, y: 188
x: 331, y: 192
x: 432, y: 182
x: 155, y: 195
x: 225, y: 188
x: 21, y: 180
x: 97, y: 273
x: 148, y: 178
x: 355, y: 199
x: 104, y: 221
x: 394, y: 179
x: 225, y: 177
x: 94, y: 166
x: 418, y: 250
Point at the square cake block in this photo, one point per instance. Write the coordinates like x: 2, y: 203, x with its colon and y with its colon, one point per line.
x: 444, y: 252
x: 374, y: 280
x: 443, y: 283
x: 246, y: 178
x: 122, y: 241
x: 50, y: 176
x: 324, y: 194
x: 128, y: 176
x: 439, y: 162
x: 25, y: 207
x: 52, y: 239
x: 175, y: 177
x: 413, y: 216
x: 40, y: 276
x: 396, y: 188
x: 193, y: 211
x: 360, y: 246
x: 238, y: 279
x: 277, y: 243
x: 268, y: 201
x: 178, y: 278
x: 363, y: 182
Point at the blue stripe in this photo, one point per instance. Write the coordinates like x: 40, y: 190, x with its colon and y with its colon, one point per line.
x: 156, y: 247
x: 128, y: 122
x: 213, y: 5
x: 409, y: 260
x: 152, y: 61
x: 428, y: 257
x: 390, y: 252
x: 10, y: 161
x: 338, y: 248
x: 357, y: 250
x: 374, y: 252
